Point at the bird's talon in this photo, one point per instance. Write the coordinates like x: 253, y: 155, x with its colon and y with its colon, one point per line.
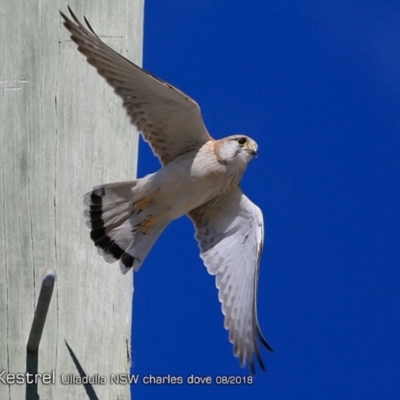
x: 145, y: 225
x: 141, y: 204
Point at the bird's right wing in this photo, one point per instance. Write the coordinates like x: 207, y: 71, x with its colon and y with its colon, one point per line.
x: 169, y: 120
x: 230, y: 233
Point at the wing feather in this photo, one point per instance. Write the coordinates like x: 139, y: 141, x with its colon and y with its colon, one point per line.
x: 169, y: 120
x: 230, y: 233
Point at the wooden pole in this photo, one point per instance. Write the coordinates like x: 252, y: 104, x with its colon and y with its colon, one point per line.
x: 62, y: 131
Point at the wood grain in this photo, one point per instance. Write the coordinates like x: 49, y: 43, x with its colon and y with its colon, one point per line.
x: 63, y: 131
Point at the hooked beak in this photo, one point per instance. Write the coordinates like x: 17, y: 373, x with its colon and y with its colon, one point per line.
x: 252, y: 149
x: 253, y: 153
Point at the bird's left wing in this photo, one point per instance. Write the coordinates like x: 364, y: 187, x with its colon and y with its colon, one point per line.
x: 230, y: 233
x: 169, y: 120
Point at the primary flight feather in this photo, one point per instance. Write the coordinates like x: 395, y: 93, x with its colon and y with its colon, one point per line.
x: 199, y: 177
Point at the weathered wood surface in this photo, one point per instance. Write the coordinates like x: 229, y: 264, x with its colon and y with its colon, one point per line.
x: 62, y: 131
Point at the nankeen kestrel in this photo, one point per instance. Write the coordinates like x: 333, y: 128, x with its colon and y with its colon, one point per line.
x: 199, y: 177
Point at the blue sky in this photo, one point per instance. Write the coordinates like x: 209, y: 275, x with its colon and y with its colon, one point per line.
x: 317, y: 85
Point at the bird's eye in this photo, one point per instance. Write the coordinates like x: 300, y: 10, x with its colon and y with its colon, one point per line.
x: 242, y: 141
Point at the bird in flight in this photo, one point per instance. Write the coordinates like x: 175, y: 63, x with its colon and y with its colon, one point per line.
x: 199, y: 178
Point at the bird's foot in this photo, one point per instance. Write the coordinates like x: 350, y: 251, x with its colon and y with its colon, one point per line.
x: 145, y: 225
x: 140, y: 205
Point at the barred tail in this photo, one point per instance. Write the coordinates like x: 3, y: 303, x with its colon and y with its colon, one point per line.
x: 113, y: 220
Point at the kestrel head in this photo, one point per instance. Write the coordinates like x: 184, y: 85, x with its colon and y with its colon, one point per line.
x: 237, y: 149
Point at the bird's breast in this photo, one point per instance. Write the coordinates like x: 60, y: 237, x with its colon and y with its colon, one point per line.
x: 190, y: 181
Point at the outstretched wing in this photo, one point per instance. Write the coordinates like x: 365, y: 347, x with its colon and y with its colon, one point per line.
x: 169, y: 120
x: 230, y: 232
